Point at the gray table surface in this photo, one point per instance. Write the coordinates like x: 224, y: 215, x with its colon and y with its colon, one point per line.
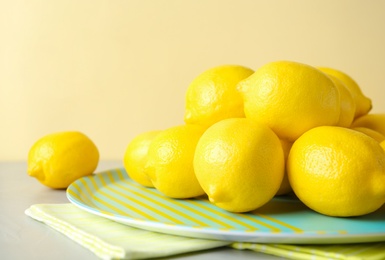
x: 21, y: 237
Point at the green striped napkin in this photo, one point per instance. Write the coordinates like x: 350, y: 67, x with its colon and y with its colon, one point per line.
x: 111, y: 240
x: 370, y: 251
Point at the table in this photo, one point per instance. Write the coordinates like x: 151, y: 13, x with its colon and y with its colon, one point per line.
x: 21, y: 237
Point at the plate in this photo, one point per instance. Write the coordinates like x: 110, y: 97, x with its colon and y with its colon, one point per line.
x: 113, y: 195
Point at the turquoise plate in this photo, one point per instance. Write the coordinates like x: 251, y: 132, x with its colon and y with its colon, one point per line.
x: 113, y: 195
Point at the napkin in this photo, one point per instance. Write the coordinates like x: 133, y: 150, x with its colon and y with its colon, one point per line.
x: 111, y: 240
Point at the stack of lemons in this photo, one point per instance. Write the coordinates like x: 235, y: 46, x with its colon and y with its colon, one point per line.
x: 248, y: 136
x: 252, y: 135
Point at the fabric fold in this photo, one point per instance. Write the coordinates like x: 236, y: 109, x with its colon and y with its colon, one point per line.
x: 111, y: 240
x: 108, y: 239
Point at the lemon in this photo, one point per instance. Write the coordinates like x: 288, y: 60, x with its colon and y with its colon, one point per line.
x: 239, y: 164
x: 285, y: 187
x: 290, y: 98
x: 170, y: 161
x: 337, y: 171
x: 375, y: 122
x: 383, y: 145
x: 135, y: 157
x: 370, y: 132
x: 363, y: 103
x: 58, y: 159
x: 212, y: 95
x: 347, y: 103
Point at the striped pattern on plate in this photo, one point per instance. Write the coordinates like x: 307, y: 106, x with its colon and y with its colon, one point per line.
x: 112, y: 194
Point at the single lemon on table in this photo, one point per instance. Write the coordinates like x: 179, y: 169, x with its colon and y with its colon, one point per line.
x: 347, y: 103
x: 337, y: 171
x: 135, y: 157
x: 363, y: 103
x: 58, y: 159
x: 212, y: 95
x: 375, y: 122
x: 239, y: 164
x: 170, y: 161
x: 290, y: 98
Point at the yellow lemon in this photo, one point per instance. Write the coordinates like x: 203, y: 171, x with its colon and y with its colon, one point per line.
x: 239, y: 164
x: 58, y: 159
x: 135, y: 157
x: 337, y: 171
x: 375, y: 122
x: 290, y: 98
x: 370, y: 132
x: 170, y: 161
x: 363, y: 103
x: 212, y: 95
x: 383, y: 145
x: 347, y: 103
x: 285, y: 187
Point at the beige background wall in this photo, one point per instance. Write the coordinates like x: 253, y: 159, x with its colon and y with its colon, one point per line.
x: 113, y: 69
